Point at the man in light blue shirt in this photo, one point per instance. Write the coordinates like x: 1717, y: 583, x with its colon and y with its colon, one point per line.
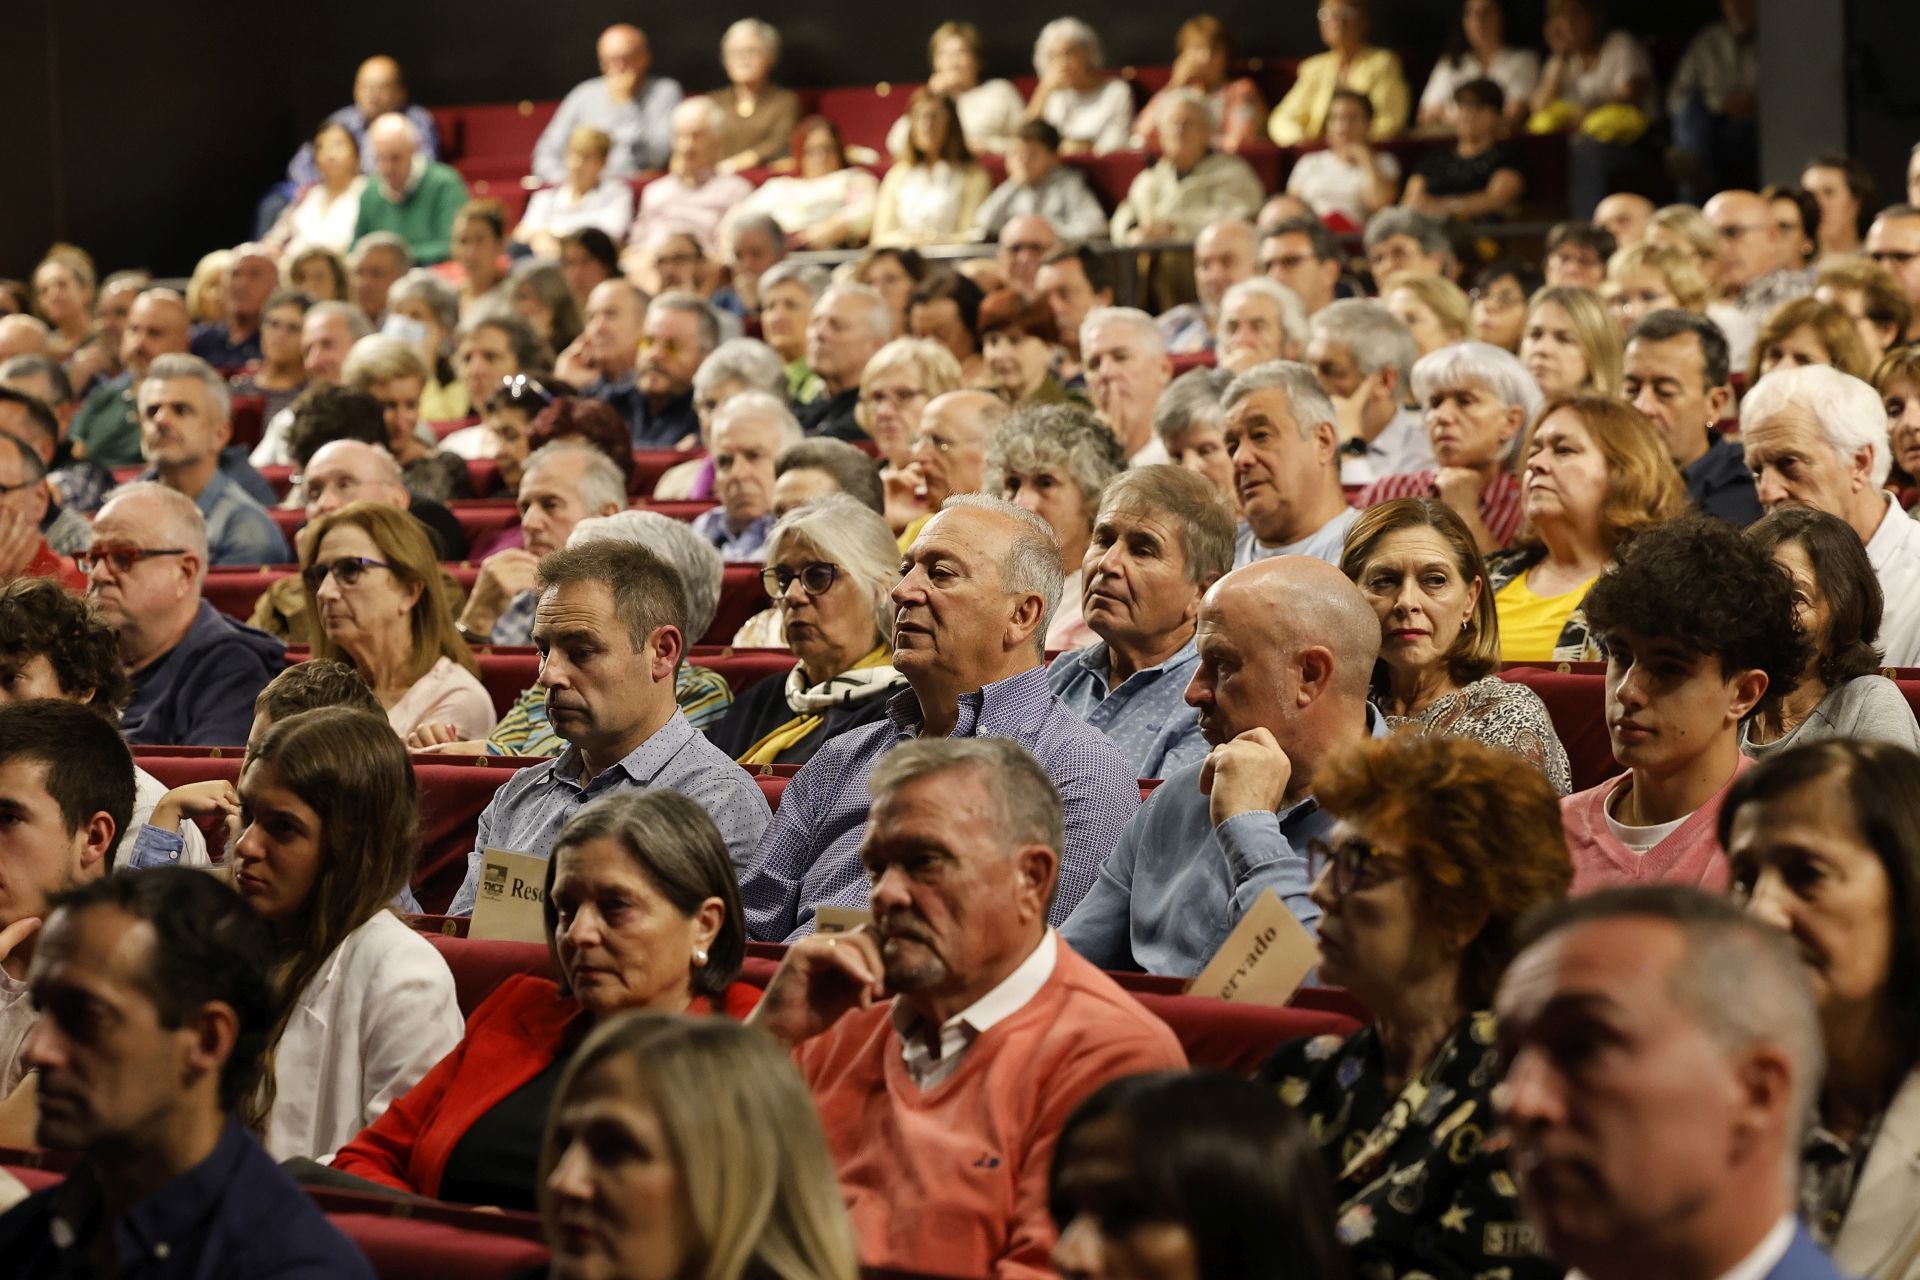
x: 1284, y: 438
x: 1162, y: 536
x: 1287, y: 649
x: 609, y: 628
x: 623, y: 102
x: 184, y: 424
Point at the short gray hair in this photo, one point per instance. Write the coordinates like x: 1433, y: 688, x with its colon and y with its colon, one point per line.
x: 1495, y: 368
x: 853, y: 536
x: 706, y: 108
x: 853, y: 471
x: 1190, y: 400
x: 1398, y: 220
x: 929, y: 362
x: 759, y: 404
x: 812, y: 278
x: 1374, y: 336
x: 1028, y: 800
x: 1306, y: 399
x: 879, y: 313
x: 765, y: 224
x: 764, y: 32
x: 422, y: 285
x: 376, y: 358
x: 1073, y: 31
x: 744, y: 360
x: 219, y: 393
x: 1849, y: 412
x: 358, y: 326
x: 1132, y: 317
x: 694, y: 305
x: 601, y: 483
x: 392, y: 241
x: 185, y: 526
x: 1056, y: 436
x: 1205, y: 521
x: 696, y: 560
x: 1293, y: 312
x: 1174, y: 100
x: 1031, y: 564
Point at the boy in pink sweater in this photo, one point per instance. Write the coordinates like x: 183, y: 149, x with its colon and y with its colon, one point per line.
x: 947, y: 1042
x: 1700, y: 627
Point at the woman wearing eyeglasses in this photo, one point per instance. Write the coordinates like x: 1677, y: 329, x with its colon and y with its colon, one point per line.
x: 830, y: 567
x: 1439, y: 845
x: 374, y: 588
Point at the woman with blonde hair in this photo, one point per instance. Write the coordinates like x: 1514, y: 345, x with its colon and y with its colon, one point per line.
x: 1897, y: 379
x: 737, y: 1183
x: 1596, y: 474
x: 1432, y: 307
x: 392, y: 371
x: 1570, y: 344
x: 207, y: 288
x: 1655, y: 277
x: 900, y: 380
x: 1807, y: 331
x: 374, y: 589
x: 63, y: 294
x: 1872, y: 296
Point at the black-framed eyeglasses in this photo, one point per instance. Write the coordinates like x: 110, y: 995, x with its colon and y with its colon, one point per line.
x: 1355, y: 863
x: 121, y: 558
x: 345, y: 570
x: 816, y: 578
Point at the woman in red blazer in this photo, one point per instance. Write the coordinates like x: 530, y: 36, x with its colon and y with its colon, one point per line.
x: 643, y: 912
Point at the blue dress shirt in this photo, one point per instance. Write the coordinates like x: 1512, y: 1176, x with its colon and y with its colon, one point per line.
x: 1147, y: 716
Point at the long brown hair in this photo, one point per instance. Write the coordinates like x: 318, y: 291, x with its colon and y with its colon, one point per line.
x: 403, y: 545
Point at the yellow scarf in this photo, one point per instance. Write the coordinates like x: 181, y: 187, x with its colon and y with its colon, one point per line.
x: 796, y: 730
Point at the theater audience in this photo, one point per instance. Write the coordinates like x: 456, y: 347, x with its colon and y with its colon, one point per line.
x: 849, y: 325
x: 1038, y: 184
x: 970, y: 615
x: 378, y: 261
x: 1822, y: 841
x: 814, y: 469
x: 1625, y: 215
x: 1817, y: 438
x: 493, y: 349
x: 106, y: 429
x: 159, y: 1129
x: 1577, y: 254
x: 760, y: 115
x: 1600, y: 84
x: 602, y: 360
x: 1760, y: 263
x: 737, y: 365
x: 234, y: 341
x: 949, y: 455
x: 1476, y: 48
x: 1421, y: 898
x: 609, y: 633
x: 991, y: 111
x: 1126, y: 370
x: 1074, y: 282
x: 1595, y: 474
x: 753, y: 246
x: 696, y: 192
x: 1191, y: 425
x: 1806, y: 332
x: 892, y: 270
x: 1677, y: 375
x: 826, y: 203
x: 1481, y: 176
x: 900, y: 381
x: 934, y: 190
x: 1282, y: 438
x: 390, y: 370
x: 1871, y: 297
x: 63, y: 294
x: 319, y: 272
x: 1500, y: 295
x: 629, y: 108
x: 1682, y: 1127
x: 1220, y: 833
x: 588, y: 191
x: 748, y: 432
x: 1699, y: 629
x: 588, y: 257
x: 945, y: 308
x: 378, y: 88
x: 1363, y: 356
x: 1570, y: 344
x: 1191, y: 185
x: 408, y: 192
x: 185, y: 423
x: 1204, y: 52
x: 1398, y: 240
x: 1056, y: 461
x: 1349, y: 63
x: 1017, y: 339
x: 25, y: 505
x: 1348, y: 181
x: 1714, y: 104
x: 1897, y: 379
x: 206, y: 293
x: 538, y: 293
x: 1091, y: 111
x: 281, y: 373
x: 1840, y: 692
x: 1260, y: 320
x: 1056, y: 1029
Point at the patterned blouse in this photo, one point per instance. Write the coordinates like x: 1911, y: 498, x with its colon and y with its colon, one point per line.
x: 1501, y: 714
x: 1577, y: 641
x: 1422, y: 1177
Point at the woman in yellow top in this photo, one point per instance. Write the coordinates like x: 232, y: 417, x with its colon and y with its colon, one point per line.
x: 1349, y: 63
x: 1596, y: 474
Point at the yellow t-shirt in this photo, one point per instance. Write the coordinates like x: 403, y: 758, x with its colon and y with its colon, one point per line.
x: 1530, y: 625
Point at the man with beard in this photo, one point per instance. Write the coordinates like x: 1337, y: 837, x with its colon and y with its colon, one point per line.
x: 946, y: 1043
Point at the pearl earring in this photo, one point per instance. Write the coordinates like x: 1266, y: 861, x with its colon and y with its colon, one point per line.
x: 700, y: 957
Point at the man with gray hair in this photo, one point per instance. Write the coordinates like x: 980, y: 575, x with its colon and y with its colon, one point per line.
x: 1223, y: 256
x: 1261, y: 320
x: 408, y: 193
x: 1192, y: 426
x: 106, y: 430
x: 195, y: 671
x: 563, y: 483
x: 971, y: 613
x: 184, y: 424
x: 1400, y: 239
x: 850, y: 322
x: 749, y: 431
x: 1284, y: 445
x: 1127, y: 369
x: 1286, y: 655
x: 1363, y: 356
x: 959, y: 982
x: 755, y: 246
x: 693, y: 196
x: 1675, y: 1150
x: 601, y: 360
x: 377, y: 262
x: 624, y: 102
x: 1817, y: 437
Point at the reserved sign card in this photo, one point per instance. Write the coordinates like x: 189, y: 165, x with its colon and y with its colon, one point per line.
x: 1263, y: 960
x: 510, y: 906
x: 830, y: 919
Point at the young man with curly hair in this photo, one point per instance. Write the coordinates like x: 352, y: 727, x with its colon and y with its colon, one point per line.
x: 1699, y: 632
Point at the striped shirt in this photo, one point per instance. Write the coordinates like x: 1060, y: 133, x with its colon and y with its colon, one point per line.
x: 1499, y: 500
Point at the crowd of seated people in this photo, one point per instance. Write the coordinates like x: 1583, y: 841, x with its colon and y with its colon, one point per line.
x: 1521, y: 617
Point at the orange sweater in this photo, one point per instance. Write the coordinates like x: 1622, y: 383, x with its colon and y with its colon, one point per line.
x: 953, y: 1180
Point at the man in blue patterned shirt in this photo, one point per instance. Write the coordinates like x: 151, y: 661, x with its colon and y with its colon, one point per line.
x: 970, y: 617
x: 1161, y: 538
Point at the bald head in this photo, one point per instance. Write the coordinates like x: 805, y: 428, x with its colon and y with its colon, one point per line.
x: 351, y: 471
x: 378, y: 87
x: 622, y: 49
x: 1624, y: 216
x: 1293, y: 602
x: 157, y: 325
x: 950, y: 451
x: 22, y: 336
x: 1751, y: 243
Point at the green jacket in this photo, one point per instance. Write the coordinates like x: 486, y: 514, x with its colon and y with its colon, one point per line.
x: 424, y: 219
x: 107, y: 426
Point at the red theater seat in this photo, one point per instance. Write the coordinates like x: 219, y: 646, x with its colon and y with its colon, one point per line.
x: 247, y: 419
x: 479, y: 967
x: 280, y: 477
x: 405, y: 1248
x: 772, y: 786
x: 1231, y: 1036
x: 482, y: 517
x: 1577, y: 704
x: 743, y: 668
x: 453, y: 791
x: 233, y: 591
x: 741, y: 596
x: 650, y: 464
x: 506, y: 673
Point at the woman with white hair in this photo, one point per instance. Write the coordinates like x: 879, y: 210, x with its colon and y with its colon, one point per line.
x: 1478, y: 400
x: 760, y: 115
x: 1092, y: 113
x: 831, y: 566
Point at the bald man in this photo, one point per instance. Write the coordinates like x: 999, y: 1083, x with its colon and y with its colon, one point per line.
x: 22, y: 336
x: 107, y: 428
x: 1224, y: 254
x: 378, y: 88
x: 1756, y: 257
x: 409, y: 194
x: 1287, y: 648
x: 950, y: 450
x: 633, y: 108
x: 1624, y: 216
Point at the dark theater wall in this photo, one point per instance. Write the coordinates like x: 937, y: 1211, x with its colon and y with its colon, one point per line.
x: 146, y: 132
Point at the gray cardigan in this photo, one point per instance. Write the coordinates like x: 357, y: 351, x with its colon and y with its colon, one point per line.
x: 1866, y: 708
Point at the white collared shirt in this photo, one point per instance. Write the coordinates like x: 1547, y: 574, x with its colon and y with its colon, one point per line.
x: 1757, y: 1265
x: 1401, y: 447
x: 929, y: 1067
x: 1894, y: 552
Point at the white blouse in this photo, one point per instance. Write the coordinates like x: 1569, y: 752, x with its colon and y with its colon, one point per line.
x: 556, y: 210
x: 329, y: 223
x: 1330, y: 185
x: 990, y: 113
x: 1101, y: 117
x: 929, y: 199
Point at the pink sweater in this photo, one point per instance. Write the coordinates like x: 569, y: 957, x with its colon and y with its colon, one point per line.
x: 953, y: 1180
x: 1690, y: 855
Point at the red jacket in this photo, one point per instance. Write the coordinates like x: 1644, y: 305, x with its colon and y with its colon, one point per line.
x: 513, y: 1036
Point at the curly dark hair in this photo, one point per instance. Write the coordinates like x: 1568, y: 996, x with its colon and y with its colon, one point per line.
x: 324, y: 414
x: 583, y: 418
x: 41, y: 617
x: 1696, y: 581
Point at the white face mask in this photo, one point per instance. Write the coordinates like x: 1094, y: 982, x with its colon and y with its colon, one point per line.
x: 399, y: 326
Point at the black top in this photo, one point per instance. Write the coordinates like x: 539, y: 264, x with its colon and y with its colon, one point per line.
x: 495, y: 1159
x: 1448, y: 173
x: 443, y: 527
x: 763, y: 708
x: 1719, y: 483
x: 833, y: 416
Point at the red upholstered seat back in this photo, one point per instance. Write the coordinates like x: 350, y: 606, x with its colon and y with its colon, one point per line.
x: 1577, y: 704
x: 479, y: 967
x: 744, y: 668
x: 1239, y: 1037
x: 234, y: 591
x: 405, y: 1248
x: 453, y: 791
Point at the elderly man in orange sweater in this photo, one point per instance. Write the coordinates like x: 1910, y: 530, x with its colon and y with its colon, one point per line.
x: 946, y: 1042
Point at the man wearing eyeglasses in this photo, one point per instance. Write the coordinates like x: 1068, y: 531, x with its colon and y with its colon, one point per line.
x: 24, y: 552
x: 749, y: 431
x: 1287, y: 648
x: 1301, y: 254
x: 1757, y: 268
x: 1894, y: 242
x: 679, y: 332
x: 195, y: 671
x: 950, y: 450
